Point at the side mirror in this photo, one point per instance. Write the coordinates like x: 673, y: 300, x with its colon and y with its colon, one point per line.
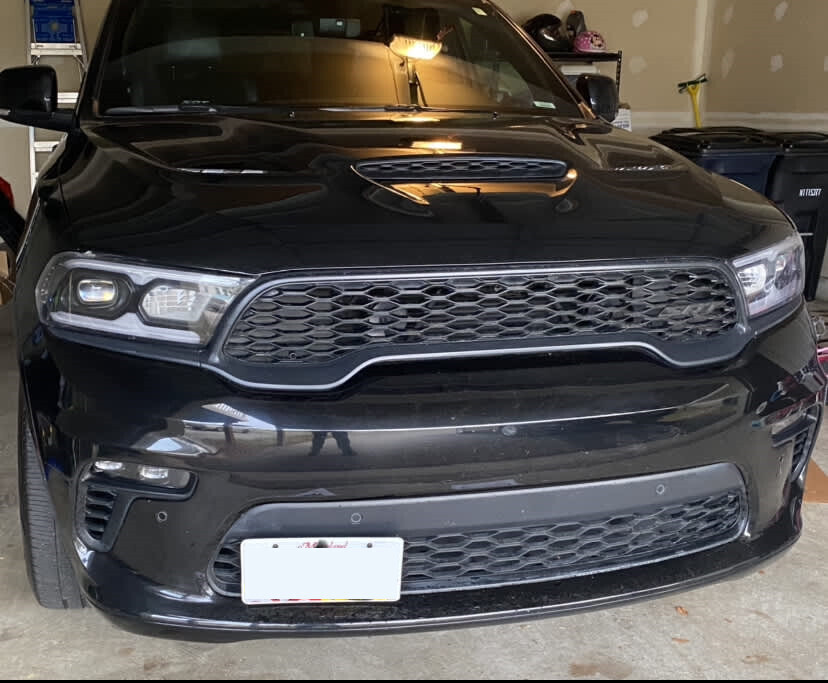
x: 600, y: 93
x: 29, y: 95
x: 29, y: 88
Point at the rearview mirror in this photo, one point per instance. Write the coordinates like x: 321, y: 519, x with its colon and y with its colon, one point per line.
x: 600, y: 93
x: 29, y: 95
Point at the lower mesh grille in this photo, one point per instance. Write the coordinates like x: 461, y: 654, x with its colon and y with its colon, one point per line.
x: 557, y: 550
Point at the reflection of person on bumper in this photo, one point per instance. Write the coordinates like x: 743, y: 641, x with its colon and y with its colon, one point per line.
x: 342, y: 440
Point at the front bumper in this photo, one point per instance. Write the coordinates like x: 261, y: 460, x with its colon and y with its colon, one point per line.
x: 430, y: 431
x: 150, y: 609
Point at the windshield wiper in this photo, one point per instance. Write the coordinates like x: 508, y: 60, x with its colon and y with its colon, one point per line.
x: 208, y: 108
x: 405, y: 109
x: 287, y: 109
x: 194, y: 108
x: 161, y: 109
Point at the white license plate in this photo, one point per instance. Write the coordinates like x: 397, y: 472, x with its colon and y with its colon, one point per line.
x: 302, y: 570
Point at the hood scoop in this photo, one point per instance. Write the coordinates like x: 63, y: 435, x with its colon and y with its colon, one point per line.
x: 461, y: 168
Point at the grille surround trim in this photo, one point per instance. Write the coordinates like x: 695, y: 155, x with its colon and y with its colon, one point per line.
x: 323, y: 377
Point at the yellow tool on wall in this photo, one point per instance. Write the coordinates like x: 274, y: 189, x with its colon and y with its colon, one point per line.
x: 694, y: 89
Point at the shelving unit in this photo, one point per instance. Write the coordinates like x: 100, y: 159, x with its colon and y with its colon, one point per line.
x: 591, y: 58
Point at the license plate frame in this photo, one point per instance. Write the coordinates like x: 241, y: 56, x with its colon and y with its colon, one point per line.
x: 290, y: 571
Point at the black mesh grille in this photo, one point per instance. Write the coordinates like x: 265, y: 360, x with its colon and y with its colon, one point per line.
x: 227, y: 569
x: 469, y: 559
x: 97, y: 511
x: 459, y: 168
x: 312, y: 323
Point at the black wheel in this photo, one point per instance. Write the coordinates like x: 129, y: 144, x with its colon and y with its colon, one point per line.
x: 50, y: 572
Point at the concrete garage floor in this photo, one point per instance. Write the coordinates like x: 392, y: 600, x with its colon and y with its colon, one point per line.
x: 771, y: 624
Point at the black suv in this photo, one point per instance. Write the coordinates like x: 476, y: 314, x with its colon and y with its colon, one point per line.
x: 352, y: 315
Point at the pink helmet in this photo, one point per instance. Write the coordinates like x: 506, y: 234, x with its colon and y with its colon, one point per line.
x: 590, y: 41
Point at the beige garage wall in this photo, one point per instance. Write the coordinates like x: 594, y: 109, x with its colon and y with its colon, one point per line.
x: 93, y: 16
x: 769, y: 63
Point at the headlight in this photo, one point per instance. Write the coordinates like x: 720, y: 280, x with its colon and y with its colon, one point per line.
x: 126, y: 299
x: 774, y: 276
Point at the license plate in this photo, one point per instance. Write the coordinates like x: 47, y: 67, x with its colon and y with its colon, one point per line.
x: 303, y: 570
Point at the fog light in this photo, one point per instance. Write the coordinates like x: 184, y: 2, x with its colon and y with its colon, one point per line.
x: 164, y: 477
x: 97, y: 292
x: 109, y: 466
x: 780, y: 422
x: 153, y: 473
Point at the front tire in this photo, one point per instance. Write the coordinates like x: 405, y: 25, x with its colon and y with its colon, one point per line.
x: 47, y: 564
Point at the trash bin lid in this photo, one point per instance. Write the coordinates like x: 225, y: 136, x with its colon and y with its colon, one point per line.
x: 718, y: 139
x: 811, y: 141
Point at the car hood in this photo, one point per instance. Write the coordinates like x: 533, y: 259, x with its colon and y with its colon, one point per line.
x: 254, y: 196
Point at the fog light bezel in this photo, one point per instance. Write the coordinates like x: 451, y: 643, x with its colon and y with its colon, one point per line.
x: 124, y: 493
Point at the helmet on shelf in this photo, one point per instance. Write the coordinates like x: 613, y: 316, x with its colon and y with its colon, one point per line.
x: 590, y: 41
x: 549, y: 32
x: 576, y: 24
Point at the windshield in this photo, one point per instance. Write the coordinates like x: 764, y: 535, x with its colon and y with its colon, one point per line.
x: 324, y: 54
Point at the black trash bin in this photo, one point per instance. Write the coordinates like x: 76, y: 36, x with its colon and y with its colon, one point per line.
x: 799, y: 186
x: 742, y: 154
